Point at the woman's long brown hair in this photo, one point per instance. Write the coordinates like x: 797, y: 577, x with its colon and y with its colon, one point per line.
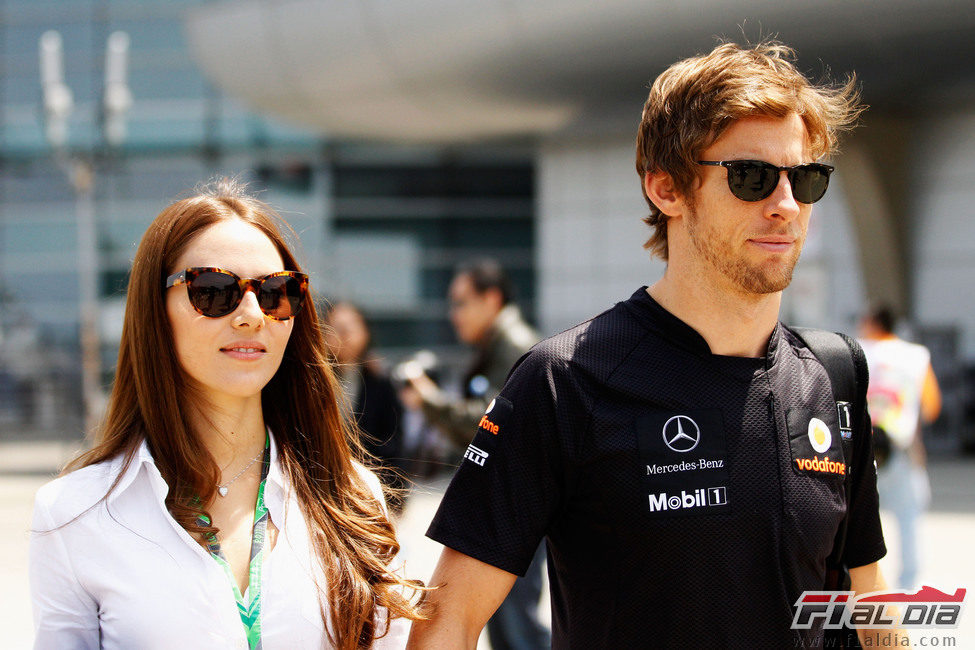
x: 150, y: 399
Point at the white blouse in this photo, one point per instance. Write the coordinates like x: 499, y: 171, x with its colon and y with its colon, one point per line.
x: 124, y: 574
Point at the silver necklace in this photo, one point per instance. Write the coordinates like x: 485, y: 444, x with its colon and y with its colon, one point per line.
x: 223, y: 489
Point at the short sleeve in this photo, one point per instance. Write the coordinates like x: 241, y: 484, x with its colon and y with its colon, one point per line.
x: 864, y: 537
x: 65, y: 615
x: 517, y: 471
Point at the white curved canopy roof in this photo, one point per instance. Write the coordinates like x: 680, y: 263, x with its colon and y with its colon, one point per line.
x: 444, y: 70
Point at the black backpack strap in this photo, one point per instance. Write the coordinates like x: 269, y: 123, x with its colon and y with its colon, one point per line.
x: 846, y: 365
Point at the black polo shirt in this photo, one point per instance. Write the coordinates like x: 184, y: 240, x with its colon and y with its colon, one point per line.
x: 688, y: 499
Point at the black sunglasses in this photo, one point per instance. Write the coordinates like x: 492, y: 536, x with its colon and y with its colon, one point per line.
x: 754, y: 180
x: 215, y: 292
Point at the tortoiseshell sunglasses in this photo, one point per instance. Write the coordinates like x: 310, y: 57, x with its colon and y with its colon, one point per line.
x: 216, y: 292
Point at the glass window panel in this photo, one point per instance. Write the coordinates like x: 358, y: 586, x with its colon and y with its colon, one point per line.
x: 159, y: 33
x: 59, y: 291
x: 21, y: 237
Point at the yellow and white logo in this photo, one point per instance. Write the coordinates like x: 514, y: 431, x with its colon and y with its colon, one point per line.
x: 819, y: 435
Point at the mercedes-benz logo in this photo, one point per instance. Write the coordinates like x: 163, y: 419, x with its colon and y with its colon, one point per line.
x: 681, y: 433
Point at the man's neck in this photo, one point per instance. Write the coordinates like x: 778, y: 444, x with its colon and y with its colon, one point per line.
x: 732, y: 323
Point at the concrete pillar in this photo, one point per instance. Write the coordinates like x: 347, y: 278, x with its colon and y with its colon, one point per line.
x: 876, y: 176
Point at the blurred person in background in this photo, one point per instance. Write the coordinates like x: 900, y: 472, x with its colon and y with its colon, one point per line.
x: 485, y: 317
x: 903, y: 395
x: 223, y: 441
x: 22, y: 368
x: 370, y: 396
x: 428, y: 451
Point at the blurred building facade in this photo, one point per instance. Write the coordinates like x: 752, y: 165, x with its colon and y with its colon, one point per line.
x: 572, y: 76
x: 426, y: 132
x: 383, y: 226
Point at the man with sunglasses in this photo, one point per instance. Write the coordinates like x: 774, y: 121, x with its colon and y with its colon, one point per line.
x: 681, y: 453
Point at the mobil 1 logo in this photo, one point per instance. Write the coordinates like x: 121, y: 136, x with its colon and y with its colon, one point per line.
x: 683, y: 462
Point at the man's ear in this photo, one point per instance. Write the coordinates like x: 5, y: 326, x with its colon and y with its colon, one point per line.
x: 660, y: 189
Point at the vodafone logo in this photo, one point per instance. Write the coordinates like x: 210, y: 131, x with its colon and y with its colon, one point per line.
x: 817, y: 464
x: 819, y: 435
x: 486, y: 423
x: 496, y: 416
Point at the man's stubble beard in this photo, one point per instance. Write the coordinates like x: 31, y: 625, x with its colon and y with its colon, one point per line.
x: 750, y: 278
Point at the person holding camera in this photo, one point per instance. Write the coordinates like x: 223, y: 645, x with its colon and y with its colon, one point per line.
x: 484, y: 316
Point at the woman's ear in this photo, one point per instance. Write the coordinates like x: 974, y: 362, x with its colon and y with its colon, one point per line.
x: 660, y: 189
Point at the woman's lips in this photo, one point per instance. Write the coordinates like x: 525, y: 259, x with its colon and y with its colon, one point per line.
x: 244, y: 351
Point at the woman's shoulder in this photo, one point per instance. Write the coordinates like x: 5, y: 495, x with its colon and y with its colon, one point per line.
x: 369, y: 478
x: 70, y: 495
x: 373, y: 483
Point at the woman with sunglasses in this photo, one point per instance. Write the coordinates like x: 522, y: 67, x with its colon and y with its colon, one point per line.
x: 221, y: 505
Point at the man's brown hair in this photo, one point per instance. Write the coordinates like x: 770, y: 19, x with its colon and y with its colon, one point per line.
x: 695, y: 100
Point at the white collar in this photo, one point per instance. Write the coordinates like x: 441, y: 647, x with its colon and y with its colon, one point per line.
x: 143, y: 458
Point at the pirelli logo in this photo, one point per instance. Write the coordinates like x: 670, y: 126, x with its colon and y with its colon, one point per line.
x: 476, y: 455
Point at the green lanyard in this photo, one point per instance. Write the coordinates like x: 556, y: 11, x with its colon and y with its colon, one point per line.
x: 250, y: 611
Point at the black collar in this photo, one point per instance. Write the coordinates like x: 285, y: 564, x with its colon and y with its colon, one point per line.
x: 660, y: 321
